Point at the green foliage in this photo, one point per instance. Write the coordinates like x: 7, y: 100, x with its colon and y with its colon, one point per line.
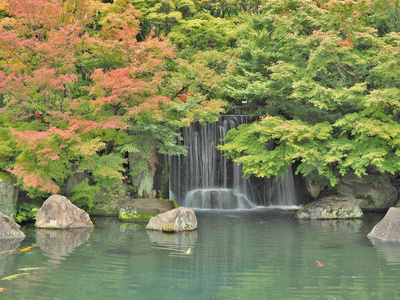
x: 5, y: 176
x: 85, y: 195
x: 204, y: 32
x: 328, y: 86
x: 26, y: 212
x: 385, y: 16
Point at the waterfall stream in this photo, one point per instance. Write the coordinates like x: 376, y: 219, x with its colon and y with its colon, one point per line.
x: 205, y: 178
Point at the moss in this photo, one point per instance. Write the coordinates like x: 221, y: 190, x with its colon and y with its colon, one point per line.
x: 135, y: 216
x: 173, y: 201
x: 169, y: 227
x: 303, y: 208
x: 5, y: 176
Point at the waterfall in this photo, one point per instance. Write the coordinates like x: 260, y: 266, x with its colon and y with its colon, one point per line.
x: 205, y: 178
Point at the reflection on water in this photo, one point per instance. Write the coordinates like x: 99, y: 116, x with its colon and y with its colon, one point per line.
x: 9, y: 244
x: 179, y: 244
x: 57, y: 244
x: 258, y: 254
x: 390, y: 251
x: 6, y: 259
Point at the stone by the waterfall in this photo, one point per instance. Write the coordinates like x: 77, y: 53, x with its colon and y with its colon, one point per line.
x: 143, y: 209
x: 148, y: 206
x: 332, y: 207
x: 8, y: 197
x: 59, y: 213
x: 8, y: 228
x: 369, y: 194
x: 388, y: 229
x: 178, y: 219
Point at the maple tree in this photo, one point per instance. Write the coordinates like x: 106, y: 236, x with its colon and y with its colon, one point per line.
x: 80, y: 92
x: 327, y: 83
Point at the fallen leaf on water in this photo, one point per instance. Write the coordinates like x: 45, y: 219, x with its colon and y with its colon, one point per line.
x: 14, y: 276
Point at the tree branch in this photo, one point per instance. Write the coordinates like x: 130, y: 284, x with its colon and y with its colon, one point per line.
x: 338, y: 67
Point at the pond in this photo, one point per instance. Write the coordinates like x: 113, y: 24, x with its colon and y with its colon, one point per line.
x: 254, y: 254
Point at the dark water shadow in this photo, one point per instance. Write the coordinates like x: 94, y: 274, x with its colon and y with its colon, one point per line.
x: 58, y: 244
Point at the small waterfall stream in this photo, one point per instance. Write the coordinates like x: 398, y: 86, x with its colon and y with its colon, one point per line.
x: 205, y: 178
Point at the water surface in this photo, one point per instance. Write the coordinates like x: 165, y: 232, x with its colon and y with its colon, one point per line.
x: 257, y: 254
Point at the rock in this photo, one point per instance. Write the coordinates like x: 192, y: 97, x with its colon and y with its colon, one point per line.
x: 314, y: 188
x: 8, y: 198
x: 178, y: 219
x: 372, y: 191
x: 8, y: 228
x: 388, y: 229
x: 332, y: 207
x: 149, y: 206
x: 59, y: 213
x: 138, y: 209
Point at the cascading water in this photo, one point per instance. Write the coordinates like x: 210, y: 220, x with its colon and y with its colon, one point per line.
x: 205, y: 178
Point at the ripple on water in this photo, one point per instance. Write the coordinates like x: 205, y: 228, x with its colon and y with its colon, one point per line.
x: 233, y: 255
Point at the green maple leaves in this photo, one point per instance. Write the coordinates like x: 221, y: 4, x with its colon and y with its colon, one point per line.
x: 335, y: 81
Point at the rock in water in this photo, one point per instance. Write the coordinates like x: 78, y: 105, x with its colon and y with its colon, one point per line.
x: 388, y: 229
x: 371, y: 191
x: 178, y: 219
x: 59, y: 213
x: 8, y: 228
x: 332, y: 207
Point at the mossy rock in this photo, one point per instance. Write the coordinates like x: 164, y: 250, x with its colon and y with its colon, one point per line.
x: 331, y: 207
x: 143, y: 209
x: 132, y: 215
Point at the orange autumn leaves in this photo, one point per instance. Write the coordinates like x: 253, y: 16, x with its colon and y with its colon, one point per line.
x: 81, y: 64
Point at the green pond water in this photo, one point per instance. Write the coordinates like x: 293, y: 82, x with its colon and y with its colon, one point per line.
x: 257, y: 254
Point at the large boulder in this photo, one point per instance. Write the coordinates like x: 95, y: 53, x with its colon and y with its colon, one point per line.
x: 331, y: 207
x: 58, y: 212
x: 178, y: 219
x: 8, y: 197
x: 8, y: 228
x: 373, y: 192
x: 388, y: 229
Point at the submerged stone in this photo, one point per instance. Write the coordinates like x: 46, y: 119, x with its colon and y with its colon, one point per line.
x: 58, y: 212
x: 178, y: 219
x: 8, y: 228
x: 332, y: 207
x: 388, y: 229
